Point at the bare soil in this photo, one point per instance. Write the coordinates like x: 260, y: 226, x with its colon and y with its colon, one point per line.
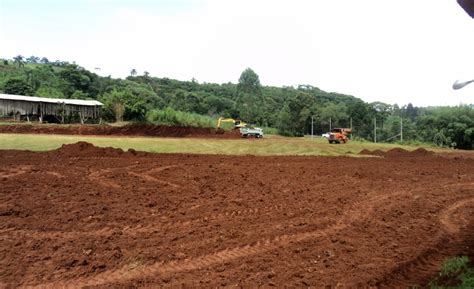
x: 399, y: 152
x: 84, y: 216
x: 127, y: 130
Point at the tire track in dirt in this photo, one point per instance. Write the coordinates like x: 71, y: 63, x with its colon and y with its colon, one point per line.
x: 446, y: 217
x: 36, y: 234
x: 163, y: 168
x: 55, y: 174
x: 359, y: 210
x: 148, y: 177
x: 168, y: 225
x: 209, y: 218
x: 15, y: 171
x: 154, y: 179
x: 139, y: 229
x: 429, y: 261
x: 99, y: 178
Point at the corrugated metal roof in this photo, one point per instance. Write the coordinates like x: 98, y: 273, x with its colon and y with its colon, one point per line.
x: 51, y: 100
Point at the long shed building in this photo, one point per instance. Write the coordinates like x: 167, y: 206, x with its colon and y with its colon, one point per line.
x: 40, y: 107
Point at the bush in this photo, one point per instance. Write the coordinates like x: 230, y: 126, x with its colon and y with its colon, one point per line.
x: 270, y: 130
x: 455, y: 273
x: 170, y: 116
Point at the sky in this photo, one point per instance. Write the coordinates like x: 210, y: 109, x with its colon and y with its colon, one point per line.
x: 404, y: 51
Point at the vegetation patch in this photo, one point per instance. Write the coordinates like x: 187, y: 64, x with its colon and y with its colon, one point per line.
x: 293, y: 111
x: 456, y: 272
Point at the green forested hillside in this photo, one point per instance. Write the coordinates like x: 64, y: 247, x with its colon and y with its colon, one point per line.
x: 288, y: 109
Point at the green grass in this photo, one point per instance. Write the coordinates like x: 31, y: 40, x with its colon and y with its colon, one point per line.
x: 455, y: 273
x: 270, y: 145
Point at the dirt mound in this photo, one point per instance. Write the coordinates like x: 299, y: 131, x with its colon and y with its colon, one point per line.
x: 365, y: 152
x: 422, y: 152
x: 397, y: 152
x: 87, y: 149
x: 379, y: 153
x: 128, y: 130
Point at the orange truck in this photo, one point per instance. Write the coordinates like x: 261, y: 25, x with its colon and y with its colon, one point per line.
x: 339, y: 135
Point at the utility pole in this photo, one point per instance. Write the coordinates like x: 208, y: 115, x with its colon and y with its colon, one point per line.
x: 375, y: 130
x: 330, y: 124
x: 312, y: 120
x: 401, y: 129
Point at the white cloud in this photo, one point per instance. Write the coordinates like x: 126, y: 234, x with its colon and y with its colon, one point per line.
x: 399, y: 51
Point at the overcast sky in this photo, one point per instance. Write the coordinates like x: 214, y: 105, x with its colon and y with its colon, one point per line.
x: 391, y: 51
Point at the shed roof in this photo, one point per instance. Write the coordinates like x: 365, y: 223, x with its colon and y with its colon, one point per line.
x: 51, y: 100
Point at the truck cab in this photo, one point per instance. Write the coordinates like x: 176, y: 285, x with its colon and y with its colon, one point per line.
x: 339, y: 135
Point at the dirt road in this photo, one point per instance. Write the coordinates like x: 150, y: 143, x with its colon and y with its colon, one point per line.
x: 86, y: 216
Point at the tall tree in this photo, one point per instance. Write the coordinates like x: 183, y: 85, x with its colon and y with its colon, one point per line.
x: 249, y: 82
x: 33, y: 59
x: 18, y: 86
x: 249, y: 93
x: 19, y: 61
x: 335, y: 113
x: 133, y: 72
x: 411, y: 112
x: 76, y: 78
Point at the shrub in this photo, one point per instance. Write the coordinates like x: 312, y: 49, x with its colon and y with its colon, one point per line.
x: 455, y: 273
x: 169, y: 116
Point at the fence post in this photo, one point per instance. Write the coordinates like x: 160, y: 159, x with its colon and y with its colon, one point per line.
x: 401, y: 129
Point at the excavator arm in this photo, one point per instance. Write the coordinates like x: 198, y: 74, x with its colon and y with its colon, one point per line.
x: 237, y: 123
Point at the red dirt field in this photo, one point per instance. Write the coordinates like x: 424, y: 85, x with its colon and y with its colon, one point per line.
x: 83, y: 216
x: 127, y: 130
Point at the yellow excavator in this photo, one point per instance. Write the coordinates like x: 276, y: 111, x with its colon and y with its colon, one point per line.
x: 237, y: 123
x: 243, y: 127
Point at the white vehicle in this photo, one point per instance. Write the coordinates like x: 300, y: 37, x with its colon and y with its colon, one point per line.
x: 326, y: 135
x: 251, y: 131
x: 245, y: 129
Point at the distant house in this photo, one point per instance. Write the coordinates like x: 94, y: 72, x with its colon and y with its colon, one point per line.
x: 41, y: 108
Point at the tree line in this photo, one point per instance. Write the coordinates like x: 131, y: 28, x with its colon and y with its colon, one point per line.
x: 291, y: 110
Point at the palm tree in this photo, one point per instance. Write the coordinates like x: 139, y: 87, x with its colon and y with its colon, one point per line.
x: 18, y: 60
x: 146, y: 73
x: 133, y: 72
